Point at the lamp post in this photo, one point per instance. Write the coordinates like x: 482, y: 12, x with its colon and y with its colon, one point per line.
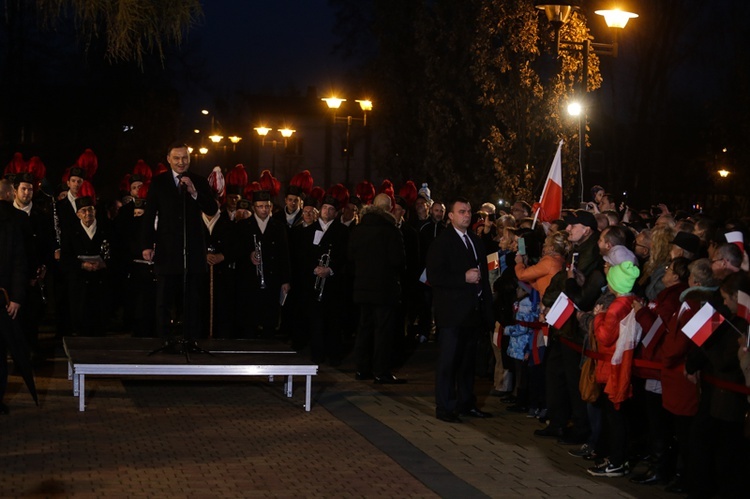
x: 286, y: 134
x: 334, y: 103
x: 558, y: 12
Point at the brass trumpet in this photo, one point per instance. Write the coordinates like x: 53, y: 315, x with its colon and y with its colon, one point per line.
x: 320, y: 282
x: 259, y: 257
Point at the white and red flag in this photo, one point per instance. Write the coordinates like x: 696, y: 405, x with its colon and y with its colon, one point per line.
x: 549, y: 207
x: 703, y: 324
x: 743, y: 305
x: 560, y: 311
x: 497, y: 335
x: 493, y: 261
x: 656, y: 327
x: 735, y: 237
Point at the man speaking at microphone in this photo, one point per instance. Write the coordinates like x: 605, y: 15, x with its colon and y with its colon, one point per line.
x: 174, y: 240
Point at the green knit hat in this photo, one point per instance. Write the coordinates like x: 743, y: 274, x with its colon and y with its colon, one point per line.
x: 621, y: 278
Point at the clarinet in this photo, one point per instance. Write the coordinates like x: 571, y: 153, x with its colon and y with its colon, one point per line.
x: 320, y: 282
x: 55, y: 220
x: 105, y: 250
x: 259, y: 257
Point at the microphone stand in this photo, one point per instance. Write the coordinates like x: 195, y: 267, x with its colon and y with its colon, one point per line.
x: 178, y: 344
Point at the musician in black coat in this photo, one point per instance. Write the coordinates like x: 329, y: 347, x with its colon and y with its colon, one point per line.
x: 323, y: 282
x: 462, y: 304
x: 84, y: 260
x: 170, y: 194
x: 262, y: 291
x: 220, y: 290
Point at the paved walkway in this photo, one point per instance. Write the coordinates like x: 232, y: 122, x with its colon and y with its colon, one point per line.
x: 244, y: 438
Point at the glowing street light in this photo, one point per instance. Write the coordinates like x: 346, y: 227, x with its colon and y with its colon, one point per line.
x: 724, y: 173
x: 334, y: 103
x: 575, y: 109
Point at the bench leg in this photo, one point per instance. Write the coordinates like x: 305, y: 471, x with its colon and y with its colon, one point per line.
x: 70, y: 370
x: 76, y: 387
x: 308, y: 389
x: 82, y: 393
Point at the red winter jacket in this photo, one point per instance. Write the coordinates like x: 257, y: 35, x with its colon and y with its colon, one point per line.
x: 607, y: 330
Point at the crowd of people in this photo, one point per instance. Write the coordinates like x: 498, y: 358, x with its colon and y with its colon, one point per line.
x: 582, y: 322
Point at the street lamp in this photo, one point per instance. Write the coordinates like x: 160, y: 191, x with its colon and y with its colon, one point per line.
x: 723, y: 173
x: 286, y: 133
x: 558, y: 12
x: 334, y: 103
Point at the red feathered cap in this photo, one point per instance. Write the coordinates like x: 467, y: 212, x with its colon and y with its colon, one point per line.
x: 365, y: 191
x: 317, y: 193
x: 303, y: 180
x: 16, y: 165
x: 160, y: 168
x: 142, y: 169
x: 339, y: 192
x: 269, y: 183
x: 250, y: 188
x: 216, y: 181
x: 87, y: 189
x: 143, y: 190
x: 88, y: 162
x: 408, y: 191
x: 37, y: 168
x: 236, y: 179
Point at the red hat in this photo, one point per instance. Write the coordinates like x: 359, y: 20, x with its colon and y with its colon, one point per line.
x: 236, y: 179
x: 88, y: 161
x: 143, y: 190
x: 408, y: 191
x: 340, y: 193
x: 303, y: 180
x: 216, y: 181
x: 250, y: 188
x: 317, y: 193
x: 269, y: 183
x: 365, y: 191
x: 142, y: 169
x: 16, y: 165
x: 87, y: 189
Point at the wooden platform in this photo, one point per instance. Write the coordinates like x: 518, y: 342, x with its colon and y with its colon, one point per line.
x: 130, y: 357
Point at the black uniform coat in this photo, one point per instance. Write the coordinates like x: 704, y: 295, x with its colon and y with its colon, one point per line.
x: 334, y: 239
x: 455, y: 301
x: 166, y: 201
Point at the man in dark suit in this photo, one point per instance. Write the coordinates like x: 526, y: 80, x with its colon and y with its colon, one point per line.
x: 178, y: 197
x: 462, y: 299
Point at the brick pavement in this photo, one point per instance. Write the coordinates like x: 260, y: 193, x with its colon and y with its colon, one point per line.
x: 244, y: 438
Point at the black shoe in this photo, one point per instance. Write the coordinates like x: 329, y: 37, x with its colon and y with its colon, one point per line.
x: 362, y: 375
x: 650, y: 477
x: 549, y: 432
x: 449, y: 418
x: 389, y: 379
x: 476, y: 413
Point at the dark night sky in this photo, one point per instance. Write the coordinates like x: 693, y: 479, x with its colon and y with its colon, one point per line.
x: 273, y: 46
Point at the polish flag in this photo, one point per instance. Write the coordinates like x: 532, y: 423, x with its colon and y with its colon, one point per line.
x: 743, y: 305
x: 655, y: 327
x: 550, y: 204
x: 493, y: 262
x: 735, y: 237
x: 560, y: 312
x: 703, y: 324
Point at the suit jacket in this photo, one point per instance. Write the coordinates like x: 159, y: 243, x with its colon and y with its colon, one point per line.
x: 274, y: 248
x: 166, y: 201
x: 334, y: 239
x: 455, y: 301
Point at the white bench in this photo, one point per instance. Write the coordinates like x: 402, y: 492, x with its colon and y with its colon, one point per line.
x: 130, y: 357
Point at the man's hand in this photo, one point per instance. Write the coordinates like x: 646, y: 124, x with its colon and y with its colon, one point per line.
x: 148, y: 255
x: 322, y: 272
x: 473, y: 276
x: 254, y: 258
x: 188, y: 184
x: 12, y: 309
x: 214, y: 258
x: 285, y: 287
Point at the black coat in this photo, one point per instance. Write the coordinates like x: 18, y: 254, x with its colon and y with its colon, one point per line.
x: 334, y: 239
x: 274, y: 248
x: 376, y: 250
x: 455, y: 302
x: 13, y: 266
x: 166, y: 201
